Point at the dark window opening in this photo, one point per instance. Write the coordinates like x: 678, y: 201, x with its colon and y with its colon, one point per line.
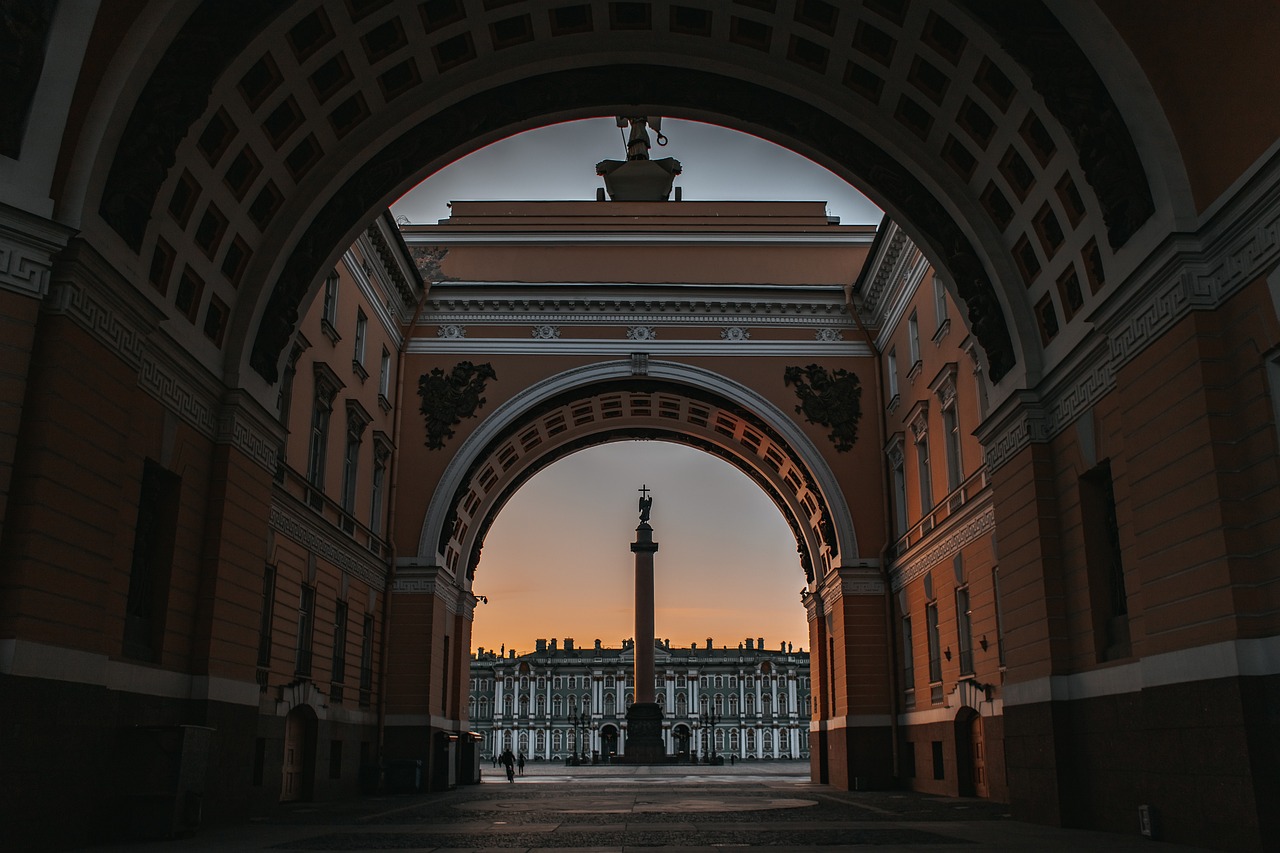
x: 152, y: 563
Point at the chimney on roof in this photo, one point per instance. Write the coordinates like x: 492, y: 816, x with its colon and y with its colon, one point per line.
x: 760, y: 643
x: 540, y: 645
x: 553, y: 644
x: 597, y: 645
x: 750, y: 644
x: 512, y: 654
x: 708, y: 643
x: 568, y: 644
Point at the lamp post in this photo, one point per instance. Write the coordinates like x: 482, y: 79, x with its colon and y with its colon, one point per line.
x: 709, y: 720
x: 578, y: 721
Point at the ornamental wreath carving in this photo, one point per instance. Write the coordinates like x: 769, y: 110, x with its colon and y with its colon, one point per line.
x: 829, y: 398
x: 447, y: 398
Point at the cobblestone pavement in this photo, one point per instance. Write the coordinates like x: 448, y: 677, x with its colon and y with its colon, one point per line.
x: 618, y: 810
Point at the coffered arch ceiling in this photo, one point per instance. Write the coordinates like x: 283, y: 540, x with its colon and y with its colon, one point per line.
x: 267, y: 135
x: 610, y: 402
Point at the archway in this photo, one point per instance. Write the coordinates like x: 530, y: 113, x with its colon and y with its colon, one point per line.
x: 608, y: 401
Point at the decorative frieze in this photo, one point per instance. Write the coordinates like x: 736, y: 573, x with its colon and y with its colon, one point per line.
x: 947, y: 543
x: 641, y: 333
x: 828, y: 335
x: 451, y: 332
x: 327, y: 544
x: 735, y: 333
x: 28, y: 245
x: 546, y: 333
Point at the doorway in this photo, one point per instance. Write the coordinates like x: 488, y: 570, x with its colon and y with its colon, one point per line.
x: 971, y: 755
x: 299, y: 755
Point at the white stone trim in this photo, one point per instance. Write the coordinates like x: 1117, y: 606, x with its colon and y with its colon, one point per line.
x: 30, y: 659
x: 852, y: 721
x: 328, y: 544
x: 1229, y: 659
x: 951, y: 536
x: 621, y: 347
x: 514, y: 409
x: 447, y: 237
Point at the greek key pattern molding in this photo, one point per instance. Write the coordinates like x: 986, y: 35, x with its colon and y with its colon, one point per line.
x: 951, y: 542
x: 239, y: 431
x: 1240, y: 246
x: 97, y: 318
x: 324, y: 545
x: 24, y: 271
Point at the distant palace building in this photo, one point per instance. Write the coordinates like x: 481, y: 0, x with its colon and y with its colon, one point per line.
x: 748, y: 702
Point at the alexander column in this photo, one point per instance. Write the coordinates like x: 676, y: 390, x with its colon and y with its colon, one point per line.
x: 644, y: 718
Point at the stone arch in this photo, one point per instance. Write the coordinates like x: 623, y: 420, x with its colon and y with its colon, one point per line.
x: 608, y: 402
x: 937, y: 110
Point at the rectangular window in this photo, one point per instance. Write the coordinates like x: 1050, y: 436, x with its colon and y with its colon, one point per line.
x: 935, y: 651
x: 913, y: 339
x: 330, y: 312
x: 350, y: 470
x: 379, y: 486
x: 320, y: 412
x: 951, y: 433
x: 900, y: 494
x: 926, y: 475
x: 152, y: 563
x: 384, y: 375
x: 362, y: 328
x: 366, y: 660
x: 964, y: 632
x: 1108, y: 598
x: 266, y: 618
x: 339, y: 668
x: 908, y: 656
x: 995, y: 594
x: 939, y: 768
x: 335, y: 759
x: 939, y: 300
x: 891, y: 368
x: 306, y: 625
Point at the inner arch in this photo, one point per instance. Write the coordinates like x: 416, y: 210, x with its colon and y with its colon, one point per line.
x: 608, y: 402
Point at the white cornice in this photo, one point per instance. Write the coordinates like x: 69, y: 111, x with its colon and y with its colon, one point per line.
x: 626, y: 238
x: 622, y: 348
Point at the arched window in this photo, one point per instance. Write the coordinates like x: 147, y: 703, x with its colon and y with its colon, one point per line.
x: 542, y: 705
x: 750, y: 706
x: 506, y: 705
x: 608, y: 704
x: 471, y: 709
x: 733, y: 740
x: 573, y: 704
x: 782, y: 703
x: 524, y: 682
x: 682, y: 705
x: 630, y: 698
x: 718, y: 704
x: 733, y: 704
x: 556, y: 706
x: 719, y: 739
x: 662, y: 700
x: 586, y: 704
x: 765, y: 705
x: 557, y: 740
x: 719, y: 681
x: 524, y: 706
x: 540, y: 741
x: 702, y: 703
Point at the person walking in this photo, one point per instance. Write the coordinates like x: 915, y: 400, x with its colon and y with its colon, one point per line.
x: 520, y: 763
x: 509, y: 761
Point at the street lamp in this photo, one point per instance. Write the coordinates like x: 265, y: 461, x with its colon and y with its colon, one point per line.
x: 578, y: 721
x: 709, y: 720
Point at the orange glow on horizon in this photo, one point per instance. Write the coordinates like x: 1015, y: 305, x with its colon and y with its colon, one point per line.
x: 557, y: 562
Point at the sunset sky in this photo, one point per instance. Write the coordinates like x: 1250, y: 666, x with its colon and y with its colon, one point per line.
x: 557, y: 561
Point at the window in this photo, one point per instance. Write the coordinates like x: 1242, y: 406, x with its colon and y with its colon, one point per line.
x: 381, y: 455
x: 1108, y: 598
x: 951, y: 433
x: 898, y: 466
x: 908, y: 657
x: 357, y: 420
x: 329, y: 313
x: 964, y: 632
x: 913, y: 337
x: 939, y: 301
x: 926, y: 474
x: 322, y: 408
x: 265, y: 620
x: 995, y: 594
x: 306, y: 624
x: 153, y: 534
x: 935, y: 652
x: 891, y: 368
x: 362, y: 328
x: 384, y: 375
x: 339, y: 668
x: 366, y: 660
